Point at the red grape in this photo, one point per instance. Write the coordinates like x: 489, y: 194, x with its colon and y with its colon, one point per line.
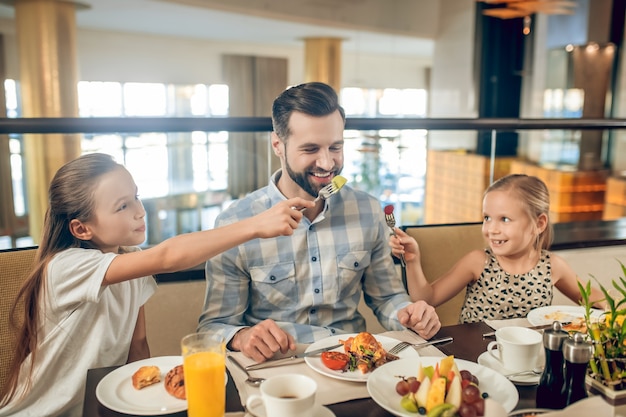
x: 402, y: 387
x: 414, y: 384
x: 480, y: 407
x: 466, y: 410
x: 465, y: 374
x: 470, y: 394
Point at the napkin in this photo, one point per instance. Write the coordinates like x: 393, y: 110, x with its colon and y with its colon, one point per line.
x: 496, y: 324
x: 329, y: 390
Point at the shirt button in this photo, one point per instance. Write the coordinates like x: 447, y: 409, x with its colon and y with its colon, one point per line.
x: 272, y: 278
x: 312, y: 311
x: 314, y: 259
x: 332, y: 330
x: 317, y: 291
x: 356, y: 264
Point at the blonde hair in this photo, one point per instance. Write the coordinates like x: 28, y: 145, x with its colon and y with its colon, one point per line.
x: 535, y: 197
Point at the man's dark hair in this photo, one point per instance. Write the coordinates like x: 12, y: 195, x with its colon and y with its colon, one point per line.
x: 314, y: 99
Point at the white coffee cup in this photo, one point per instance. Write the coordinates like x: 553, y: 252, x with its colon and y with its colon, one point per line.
x: 516, y: 348
x: 285, y: 395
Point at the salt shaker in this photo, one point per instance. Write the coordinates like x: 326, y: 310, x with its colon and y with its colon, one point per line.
x: 577, y: 352
x: 552, y: 379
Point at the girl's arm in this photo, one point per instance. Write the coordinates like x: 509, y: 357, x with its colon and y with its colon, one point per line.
x: 445, y: 287
x: 565, y: 279
x: 188, y: 250
x: 139, y: 348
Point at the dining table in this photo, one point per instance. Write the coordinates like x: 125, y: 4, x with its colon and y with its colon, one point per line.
x: 468, y: 344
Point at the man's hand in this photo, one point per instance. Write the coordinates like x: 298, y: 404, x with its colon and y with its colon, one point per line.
x: 262, y: 341
x: 421, y: 317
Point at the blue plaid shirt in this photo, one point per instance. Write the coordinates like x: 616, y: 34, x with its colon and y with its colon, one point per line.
x: 310, y: 283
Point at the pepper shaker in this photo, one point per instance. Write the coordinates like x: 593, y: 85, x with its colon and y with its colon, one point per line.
x: 577, y: 352
x: 552, y: 379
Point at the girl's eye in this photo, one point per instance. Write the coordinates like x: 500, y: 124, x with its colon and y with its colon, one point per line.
x: 136, y: 196
x: 123, y: 207
x: 506, y: 219
x: 486, y: 218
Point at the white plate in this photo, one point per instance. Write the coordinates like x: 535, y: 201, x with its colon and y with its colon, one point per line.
x: 485, y: 359
x: 116, y: 391
x: 382, y: 383
x: 258, y: 410
x: 315, y: 362
x: 546, y: 315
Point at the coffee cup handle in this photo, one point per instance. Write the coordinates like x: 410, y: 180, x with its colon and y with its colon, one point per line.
x: 254, y: 401
x: 492, y: 348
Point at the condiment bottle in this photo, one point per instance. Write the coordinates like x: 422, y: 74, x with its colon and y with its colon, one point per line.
x: 552, y: 379
x: 577, y: 353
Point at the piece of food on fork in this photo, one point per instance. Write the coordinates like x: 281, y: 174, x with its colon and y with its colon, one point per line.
x: 332, y: 188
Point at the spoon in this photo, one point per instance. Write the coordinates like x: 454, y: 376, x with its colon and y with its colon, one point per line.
x: 535, y: 371
x: 254, y: 381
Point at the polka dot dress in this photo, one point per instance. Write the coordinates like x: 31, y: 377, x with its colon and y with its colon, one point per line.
x: 500, y: 295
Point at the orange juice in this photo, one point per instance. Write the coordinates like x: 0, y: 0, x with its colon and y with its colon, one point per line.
x: 204, y: 384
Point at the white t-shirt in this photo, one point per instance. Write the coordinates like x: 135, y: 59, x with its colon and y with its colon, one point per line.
x: 86, y: 326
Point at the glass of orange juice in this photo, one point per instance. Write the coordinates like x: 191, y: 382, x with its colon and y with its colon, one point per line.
x: 204, y: 367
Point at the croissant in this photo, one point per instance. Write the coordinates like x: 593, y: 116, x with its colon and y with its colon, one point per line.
x: 175, y: 382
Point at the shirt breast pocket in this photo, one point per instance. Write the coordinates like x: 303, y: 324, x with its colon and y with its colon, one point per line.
x: 351, y: 267
x: 274, y: 284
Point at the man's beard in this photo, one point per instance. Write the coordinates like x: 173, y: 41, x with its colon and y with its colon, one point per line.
x: 302, y: 179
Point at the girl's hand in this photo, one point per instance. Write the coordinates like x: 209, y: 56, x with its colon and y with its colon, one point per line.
x: 282, y: 219
x: 403, y: 244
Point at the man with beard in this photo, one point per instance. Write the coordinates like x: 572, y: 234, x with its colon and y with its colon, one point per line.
x: 266, y: 294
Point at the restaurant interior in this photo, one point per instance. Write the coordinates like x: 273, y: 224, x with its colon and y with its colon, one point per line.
x: 442, y: 98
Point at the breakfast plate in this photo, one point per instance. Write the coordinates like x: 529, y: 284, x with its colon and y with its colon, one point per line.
x: 382, y: 383
x: 485, y: 359
x: 573, y: 314
x: 315, y: 363
x: 318, y: 411
x: 116, y: 392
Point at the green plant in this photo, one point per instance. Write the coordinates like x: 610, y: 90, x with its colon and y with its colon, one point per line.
x: 608, y: 364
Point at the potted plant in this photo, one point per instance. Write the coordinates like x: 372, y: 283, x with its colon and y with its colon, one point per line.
x: 607, y: 368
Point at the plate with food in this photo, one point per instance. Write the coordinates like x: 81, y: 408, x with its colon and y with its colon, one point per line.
x: 438, y: 386
x: 360, y: 354
x: 148, y: 387
x: 574, y: 316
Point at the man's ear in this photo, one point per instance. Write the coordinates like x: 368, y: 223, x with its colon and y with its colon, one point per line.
x: 79, y: 230
x: 277, y: 145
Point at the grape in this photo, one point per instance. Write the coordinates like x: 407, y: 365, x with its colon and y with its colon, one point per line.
x: 475, y: 379
x: 402, y: 387
x: 414, y: 384
x: 470, y: 394
x: 466, y: 410
x: 479, y: 405
x: 465, y: 374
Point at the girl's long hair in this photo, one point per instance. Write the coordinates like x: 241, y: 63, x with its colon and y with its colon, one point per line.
x: 71, y: 196
x: 534, y: 195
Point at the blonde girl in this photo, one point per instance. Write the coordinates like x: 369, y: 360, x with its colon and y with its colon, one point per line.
x: 84, y: 298
x: 515, y: 273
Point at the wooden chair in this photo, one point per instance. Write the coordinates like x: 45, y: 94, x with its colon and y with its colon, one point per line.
x: 441, y: 246
x: 15, y: 264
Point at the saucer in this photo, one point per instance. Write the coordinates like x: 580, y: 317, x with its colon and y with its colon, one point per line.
x: 489, y: 361
x: 320, y: 411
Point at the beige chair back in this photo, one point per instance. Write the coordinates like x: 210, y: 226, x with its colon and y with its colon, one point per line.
x: 441, y: 246
x: 15, y: 264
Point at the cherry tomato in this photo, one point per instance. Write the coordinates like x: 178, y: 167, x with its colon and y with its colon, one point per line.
x: 335, y: 360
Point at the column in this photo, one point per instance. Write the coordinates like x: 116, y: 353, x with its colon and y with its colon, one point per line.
x: 322, y: 61
x: 46, y: 36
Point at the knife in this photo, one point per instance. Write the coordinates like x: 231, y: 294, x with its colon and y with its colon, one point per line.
x: 290, y: 359
x: 540, y: 327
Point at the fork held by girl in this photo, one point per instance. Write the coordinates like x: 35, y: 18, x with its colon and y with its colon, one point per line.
x: 515, y: 273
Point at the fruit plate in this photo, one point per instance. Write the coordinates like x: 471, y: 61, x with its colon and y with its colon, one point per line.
x: 381, y: 384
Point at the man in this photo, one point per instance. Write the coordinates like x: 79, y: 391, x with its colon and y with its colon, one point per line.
x: 268, y: 293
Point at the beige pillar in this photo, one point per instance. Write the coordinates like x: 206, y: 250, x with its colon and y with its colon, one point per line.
x: 322, y: 61
x: 46, y: 36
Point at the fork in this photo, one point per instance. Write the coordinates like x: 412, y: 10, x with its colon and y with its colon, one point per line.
x: 333, y: 187
x: 403, y: 345
x: 391, y: 222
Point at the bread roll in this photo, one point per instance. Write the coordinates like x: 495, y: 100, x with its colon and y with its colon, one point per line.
x: 146, y: 375
x: 175, y: 382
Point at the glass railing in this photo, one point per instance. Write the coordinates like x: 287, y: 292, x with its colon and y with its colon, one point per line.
x: 431, y: 170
